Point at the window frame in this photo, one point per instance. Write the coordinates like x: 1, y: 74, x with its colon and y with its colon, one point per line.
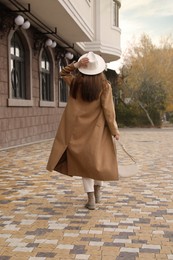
x: 115, y: 13
x: 28, y: 100
x: 47, y: 103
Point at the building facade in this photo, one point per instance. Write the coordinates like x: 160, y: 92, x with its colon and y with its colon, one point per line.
x: 38, y: 38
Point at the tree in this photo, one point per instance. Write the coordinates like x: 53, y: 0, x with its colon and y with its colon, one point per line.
x: 146, y: 77
x: 151, y: 97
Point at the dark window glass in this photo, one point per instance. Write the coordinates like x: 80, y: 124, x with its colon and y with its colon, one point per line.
x: 46, y: 77
x: 63, y: 88
x: 18, y: 73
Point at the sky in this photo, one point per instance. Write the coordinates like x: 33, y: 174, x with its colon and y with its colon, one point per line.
x: 152, y: 17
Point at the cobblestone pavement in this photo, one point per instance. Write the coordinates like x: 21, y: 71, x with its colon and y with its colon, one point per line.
x: 42, y: 214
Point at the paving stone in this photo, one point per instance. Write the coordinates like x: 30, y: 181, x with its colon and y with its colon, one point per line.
x: 42, y: 214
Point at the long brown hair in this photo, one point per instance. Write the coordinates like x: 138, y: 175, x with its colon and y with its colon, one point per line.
x: 88, y: 87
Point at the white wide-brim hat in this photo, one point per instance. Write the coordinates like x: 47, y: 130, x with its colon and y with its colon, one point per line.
x: 95, y: 65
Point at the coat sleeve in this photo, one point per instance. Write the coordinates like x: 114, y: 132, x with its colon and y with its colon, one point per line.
x: 66, y: 73
x: 108, y: 109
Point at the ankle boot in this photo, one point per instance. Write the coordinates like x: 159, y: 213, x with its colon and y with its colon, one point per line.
x: 91, y: 201
x: 97, y: 193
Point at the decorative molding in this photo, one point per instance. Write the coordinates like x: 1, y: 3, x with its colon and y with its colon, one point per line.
x: 20, y: 102
x: 108, y: 52
x: 62, y: 104
x: 47, y: 103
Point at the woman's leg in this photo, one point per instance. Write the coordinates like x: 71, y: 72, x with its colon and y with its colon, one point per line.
x: 88, y: 184
x: 89, y: 189
x: 99, y: 183
x: 97, y: 186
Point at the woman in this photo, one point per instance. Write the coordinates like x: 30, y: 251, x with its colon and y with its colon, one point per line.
x: 83, y: 145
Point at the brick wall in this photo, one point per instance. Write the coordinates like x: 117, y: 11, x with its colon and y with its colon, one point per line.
x: 21, y: 125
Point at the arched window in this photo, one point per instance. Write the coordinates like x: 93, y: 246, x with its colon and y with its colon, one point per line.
x: 18, y: 70
x: 46, y: 71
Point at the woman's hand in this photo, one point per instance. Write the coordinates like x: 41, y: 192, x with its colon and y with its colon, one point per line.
x: 117, y: 136
x: 82, y: 63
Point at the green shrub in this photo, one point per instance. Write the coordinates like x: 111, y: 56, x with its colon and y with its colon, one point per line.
x: 132, y: 115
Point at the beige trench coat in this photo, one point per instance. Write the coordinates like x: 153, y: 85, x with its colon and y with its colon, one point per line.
x: 83, y: 144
